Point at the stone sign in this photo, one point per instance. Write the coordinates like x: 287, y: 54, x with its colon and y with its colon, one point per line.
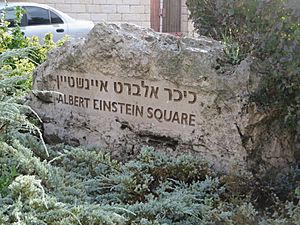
x: 125, y: 87
x: 141, y: 101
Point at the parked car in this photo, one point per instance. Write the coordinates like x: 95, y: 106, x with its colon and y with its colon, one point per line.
x: 40, y: 19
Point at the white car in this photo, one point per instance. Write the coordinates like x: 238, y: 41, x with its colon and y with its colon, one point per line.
x: 41, y: 19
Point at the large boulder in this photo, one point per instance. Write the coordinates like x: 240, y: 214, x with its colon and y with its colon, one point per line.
x: 124, y: 87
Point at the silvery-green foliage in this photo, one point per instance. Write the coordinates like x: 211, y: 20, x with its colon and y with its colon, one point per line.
x: 274, y: 222
x: 29, y: 201
x: 70, y: 188
x: 294, y: 212
x: 180, y: 202
x: 137, y: 178
x: 197, y: 203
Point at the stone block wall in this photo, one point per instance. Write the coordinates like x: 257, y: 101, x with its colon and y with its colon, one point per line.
x: 186, y: 24
x: 130, y: 11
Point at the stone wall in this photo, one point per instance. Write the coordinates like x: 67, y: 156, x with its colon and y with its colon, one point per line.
x: 186, y: 24
x: 130, y: 11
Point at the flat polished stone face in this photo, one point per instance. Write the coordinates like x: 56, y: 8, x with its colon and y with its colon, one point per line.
x: 159, y: 106
x: 125, y: 87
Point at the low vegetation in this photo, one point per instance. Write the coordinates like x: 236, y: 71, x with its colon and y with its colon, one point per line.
x: 86, y: 186
x: 58, y: 185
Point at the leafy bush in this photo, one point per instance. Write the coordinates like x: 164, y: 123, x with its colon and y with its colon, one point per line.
x: 81, y: 186
x: 7, y: 176
x: 18, y: 58
x: 266, y: 30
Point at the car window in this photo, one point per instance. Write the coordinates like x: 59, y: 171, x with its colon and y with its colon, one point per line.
x: 37, y: 16
x: 55, y: 19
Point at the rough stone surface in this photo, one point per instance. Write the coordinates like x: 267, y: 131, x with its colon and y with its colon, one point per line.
x: 113, y: 89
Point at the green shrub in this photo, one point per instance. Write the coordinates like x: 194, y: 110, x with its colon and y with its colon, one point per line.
x: 18, y: 58
x: 7, y: 176
x: 266, y: 30
x: 82, y: 186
